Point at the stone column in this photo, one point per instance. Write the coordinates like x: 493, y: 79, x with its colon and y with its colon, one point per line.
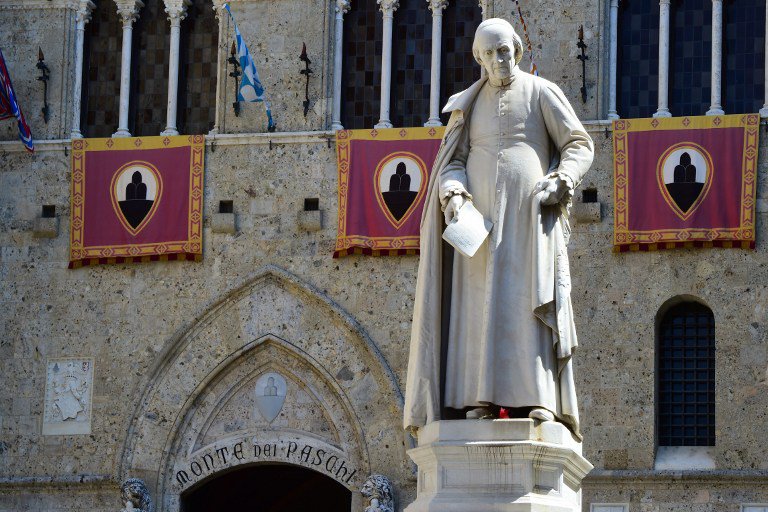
x: 342, y: 8
x: 613, y: 59
x: 436, y: 6
x: 177, y: 11
x: 82, y: 16
x: 388, y: 8
x: 715, y: 108
x: 129, y: 12
x: 764, y: 110
x: 221, y: 16
x: 485, y: 9
x: 663, y: 108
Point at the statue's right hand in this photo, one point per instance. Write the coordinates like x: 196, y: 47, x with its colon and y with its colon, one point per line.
x: 453, y: 206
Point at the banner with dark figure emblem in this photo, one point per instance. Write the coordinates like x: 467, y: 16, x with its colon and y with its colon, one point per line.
x: 136, y: 200
x: 383, y: 176
x: 685, y: 182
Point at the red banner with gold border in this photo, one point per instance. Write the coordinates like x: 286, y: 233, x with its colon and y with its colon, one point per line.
x: 685, y: 182
x: 136, y: 199
x: 383, y: 177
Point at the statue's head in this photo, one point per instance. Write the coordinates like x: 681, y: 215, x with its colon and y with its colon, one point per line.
x: 497, y: 48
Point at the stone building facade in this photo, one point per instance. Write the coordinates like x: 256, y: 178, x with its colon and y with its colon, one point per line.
x: 160, y: 371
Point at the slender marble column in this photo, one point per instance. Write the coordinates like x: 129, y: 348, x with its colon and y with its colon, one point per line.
x: 342, y: 8
x: 715, y: 108
x: 129, y: 12
x: 388, y: 8
x: 177, y: 11
x: 485, y: 9
x: 764, y: 110
x: 437, y: 7
x: 221, y: 16
x: 663, y: 109
x: 613, y: 59
x: 82, y: 16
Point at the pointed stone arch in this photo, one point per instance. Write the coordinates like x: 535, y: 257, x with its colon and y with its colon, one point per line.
x: 273, y: 323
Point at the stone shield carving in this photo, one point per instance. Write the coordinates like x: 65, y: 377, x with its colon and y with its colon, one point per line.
x: 270, y: 391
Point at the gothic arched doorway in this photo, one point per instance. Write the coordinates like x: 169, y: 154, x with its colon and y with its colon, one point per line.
x: 268, y: 488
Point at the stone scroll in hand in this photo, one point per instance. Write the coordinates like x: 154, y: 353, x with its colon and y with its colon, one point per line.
x: 467, y: 230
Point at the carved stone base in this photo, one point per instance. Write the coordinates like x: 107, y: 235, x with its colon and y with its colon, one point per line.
x: 512, y: 465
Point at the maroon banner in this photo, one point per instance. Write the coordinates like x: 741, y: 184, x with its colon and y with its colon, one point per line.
x: 136, y: 200
x: 685, y: 182
x: 383, y: 177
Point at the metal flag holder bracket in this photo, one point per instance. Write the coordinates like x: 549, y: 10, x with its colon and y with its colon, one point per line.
x: 306, y: 71
x: 583, y: 58
x: 236, y: 74
x: 45, y: 75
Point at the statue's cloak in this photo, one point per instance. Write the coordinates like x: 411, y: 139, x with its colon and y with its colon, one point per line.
x: 550, y: 283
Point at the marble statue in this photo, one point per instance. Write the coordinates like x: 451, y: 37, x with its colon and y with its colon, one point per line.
x: 515, y: 149
x: 135, y: 495
x: 378, y: 490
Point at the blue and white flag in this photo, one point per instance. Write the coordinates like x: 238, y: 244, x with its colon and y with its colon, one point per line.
x: 250, y: 87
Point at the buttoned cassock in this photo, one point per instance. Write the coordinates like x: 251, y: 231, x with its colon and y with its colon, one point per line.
x: 511, y: 334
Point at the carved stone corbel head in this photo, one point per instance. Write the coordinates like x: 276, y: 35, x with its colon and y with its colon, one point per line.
x: 135, y: 496
x: 380, y: 494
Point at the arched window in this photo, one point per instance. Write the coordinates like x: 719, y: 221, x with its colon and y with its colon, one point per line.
x: 685, y: 373
x: 411, y: 55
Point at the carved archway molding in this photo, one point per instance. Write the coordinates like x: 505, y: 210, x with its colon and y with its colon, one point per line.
x: 273, y: 322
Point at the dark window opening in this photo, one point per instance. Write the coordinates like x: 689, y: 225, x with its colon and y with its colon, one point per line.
x: 743, y: 56
x: 149, y: 71
x: 311, y: 204
x: 198, y: 59
x: 226, y: 207
x: 686, y: 376
x: 411, y: 64
x: 638, y: 58
x: 690, y: 57
x: 49, y: 211
x: 100, y: 105
x: 589, y: 195
x: 459, y: 69
x: 361, y: 68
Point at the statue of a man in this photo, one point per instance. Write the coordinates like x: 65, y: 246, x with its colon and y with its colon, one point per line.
x: 515, y: 149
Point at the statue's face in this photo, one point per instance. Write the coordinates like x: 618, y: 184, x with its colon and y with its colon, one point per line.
x: 496, y: 51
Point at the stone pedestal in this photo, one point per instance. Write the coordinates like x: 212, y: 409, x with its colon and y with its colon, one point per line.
x: 516, y: 465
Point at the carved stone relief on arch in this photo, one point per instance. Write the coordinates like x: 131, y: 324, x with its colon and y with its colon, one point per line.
x: 338, y: 411
x: 314, y: 427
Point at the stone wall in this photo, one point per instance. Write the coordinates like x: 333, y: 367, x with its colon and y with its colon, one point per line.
x: 130, y: 317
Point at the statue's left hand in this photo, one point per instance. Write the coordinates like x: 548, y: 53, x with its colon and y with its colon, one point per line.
x: 553, y: 188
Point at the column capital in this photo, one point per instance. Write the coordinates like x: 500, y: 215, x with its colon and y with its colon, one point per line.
x: 437, y: 5
x: 664, y: 2
x: 129, y: 10
x: 388, y: 6
x: 343, y: 6
x: 176, y: 9
x: 483, y: 4
x: 614, y: 3
x: 84, y: 10
x: 218, y: 8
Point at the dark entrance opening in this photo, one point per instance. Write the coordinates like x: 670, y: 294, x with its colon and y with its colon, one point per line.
x: 268, y: 488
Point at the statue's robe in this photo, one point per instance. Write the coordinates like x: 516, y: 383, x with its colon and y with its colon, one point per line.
x: 511, y: 334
